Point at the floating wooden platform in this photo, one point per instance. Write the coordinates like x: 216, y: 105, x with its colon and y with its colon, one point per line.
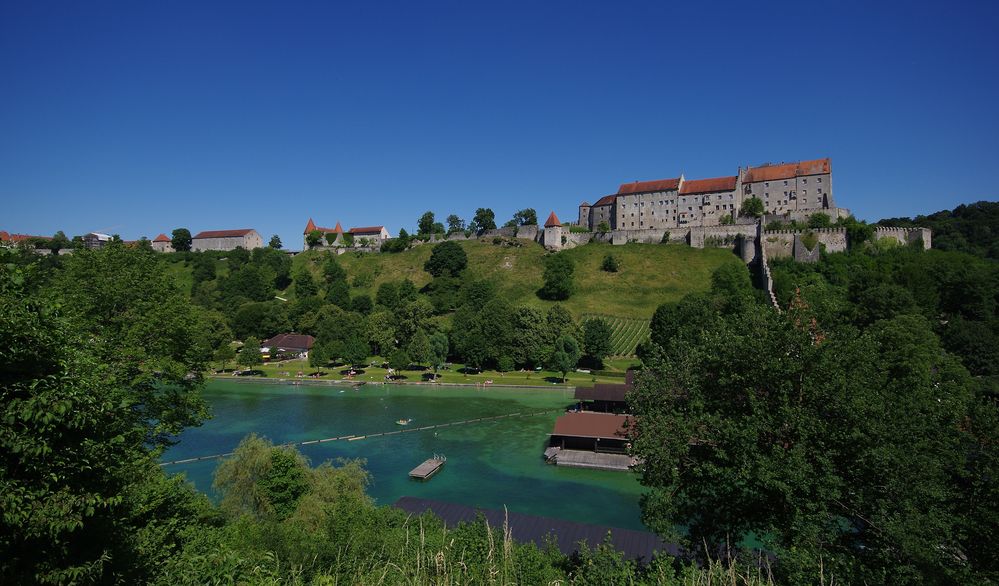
x: 428, y: 468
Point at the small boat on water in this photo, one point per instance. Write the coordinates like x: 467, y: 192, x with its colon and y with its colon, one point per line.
x: 403, y: 422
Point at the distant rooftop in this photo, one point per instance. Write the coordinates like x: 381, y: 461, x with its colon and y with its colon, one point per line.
x: 222, y: 233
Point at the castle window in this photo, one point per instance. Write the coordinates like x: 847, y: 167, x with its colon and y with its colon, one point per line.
x: 785, y: 182
x: 820, y: 190
x: 804, y: 180
x: 766, y: 184
x: 820, y: 180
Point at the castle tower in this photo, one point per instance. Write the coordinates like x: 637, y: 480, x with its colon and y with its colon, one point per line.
x: 553, y: 232
x: 584, y: 215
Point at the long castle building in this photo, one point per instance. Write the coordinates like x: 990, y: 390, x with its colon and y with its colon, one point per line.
x: 787, y: 189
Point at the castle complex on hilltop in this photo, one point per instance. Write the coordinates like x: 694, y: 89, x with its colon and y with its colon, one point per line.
x: 794, y: 190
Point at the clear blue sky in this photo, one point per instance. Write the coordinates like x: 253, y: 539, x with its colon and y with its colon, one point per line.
x: 140, y: 117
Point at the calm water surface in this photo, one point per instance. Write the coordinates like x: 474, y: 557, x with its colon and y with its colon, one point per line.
x: 489, y: 464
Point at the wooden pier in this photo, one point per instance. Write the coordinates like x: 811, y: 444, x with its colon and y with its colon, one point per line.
x: 428, y: 468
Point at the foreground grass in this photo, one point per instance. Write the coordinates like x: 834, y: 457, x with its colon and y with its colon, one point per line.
x: 542, y: 378
x: 649, y: 274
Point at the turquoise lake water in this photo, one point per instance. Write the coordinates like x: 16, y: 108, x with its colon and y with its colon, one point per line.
x: 489, y: 464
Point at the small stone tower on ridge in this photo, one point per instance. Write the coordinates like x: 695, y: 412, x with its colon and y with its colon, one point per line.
x: 553, y: 232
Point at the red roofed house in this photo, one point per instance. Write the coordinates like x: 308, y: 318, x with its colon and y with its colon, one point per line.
x: 8, y: 240
x: 374, y: 233
x: 787, y: 187
x: 704, y: 202
x: 647, y: 205
x: 246, y: 238
x: 163, y: 243
x: 285, y: 344
x: 311, y: 227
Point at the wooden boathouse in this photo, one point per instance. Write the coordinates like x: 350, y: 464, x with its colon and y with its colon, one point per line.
x: 595, y: 432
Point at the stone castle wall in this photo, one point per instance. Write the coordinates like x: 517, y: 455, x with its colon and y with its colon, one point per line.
x: 905, y: 235
x: 784, y: 243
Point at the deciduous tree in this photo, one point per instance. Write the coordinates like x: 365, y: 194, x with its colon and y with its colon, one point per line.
x: 484, y: 219
x: 558, y: 277
x: 596, y: 341
x: 565, y: 355
x: 425, y: 226
x: 752, y: 207
x: 438, y: 351
x: 181, y: 240
x: 455, y: 224
x: 249, y: 355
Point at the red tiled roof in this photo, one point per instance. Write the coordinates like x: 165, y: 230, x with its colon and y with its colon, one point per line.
x: 603, y: 392
x: 649, y: 186
x: 552, y: 220
x: 788, y: 170
x: 311, y: 227
x: 290, y: 342
x: 601, y: 425
x: 585, y: 204
x: 367, y: 230
x: 5, y: 237
x: 708, y: 185
x: 161, y: 238
x: 222, y: 233
x: 606, y: 200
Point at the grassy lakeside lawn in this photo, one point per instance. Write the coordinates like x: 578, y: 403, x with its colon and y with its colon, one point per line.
x: 543, y: 378
x: 649, y: 274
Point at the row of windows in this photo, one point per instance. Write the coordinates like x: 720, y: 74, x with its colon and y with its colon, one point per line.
x: 682, y: 201
x: 803, y: 180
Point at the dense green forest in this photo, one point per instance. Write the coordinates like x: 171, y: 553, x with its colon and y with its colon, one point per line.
x: 972, y: 228
x: 854, y: 434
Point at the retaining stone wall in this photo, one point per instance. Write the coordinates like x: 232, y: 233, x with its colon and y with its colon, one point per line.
x: 905, y: 235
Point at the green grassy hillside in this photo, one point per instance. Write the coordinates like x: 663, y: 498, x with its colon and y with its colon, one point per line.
x: 648, y: 276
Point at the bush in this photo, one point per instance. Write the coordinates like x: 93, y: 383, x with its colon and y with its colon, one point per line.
x: 809, y: 239
x: 819, y: 220
x: 610, y: 264
x: 395, y: 245
x: 447, y: 259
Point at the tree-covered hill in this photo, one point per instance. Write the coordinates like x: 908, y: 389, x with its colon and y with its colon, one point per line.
x: 972, y: 228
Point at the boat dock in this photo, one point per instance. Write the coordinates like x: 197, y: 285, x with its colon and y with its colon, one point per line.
x: 428, y: 468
